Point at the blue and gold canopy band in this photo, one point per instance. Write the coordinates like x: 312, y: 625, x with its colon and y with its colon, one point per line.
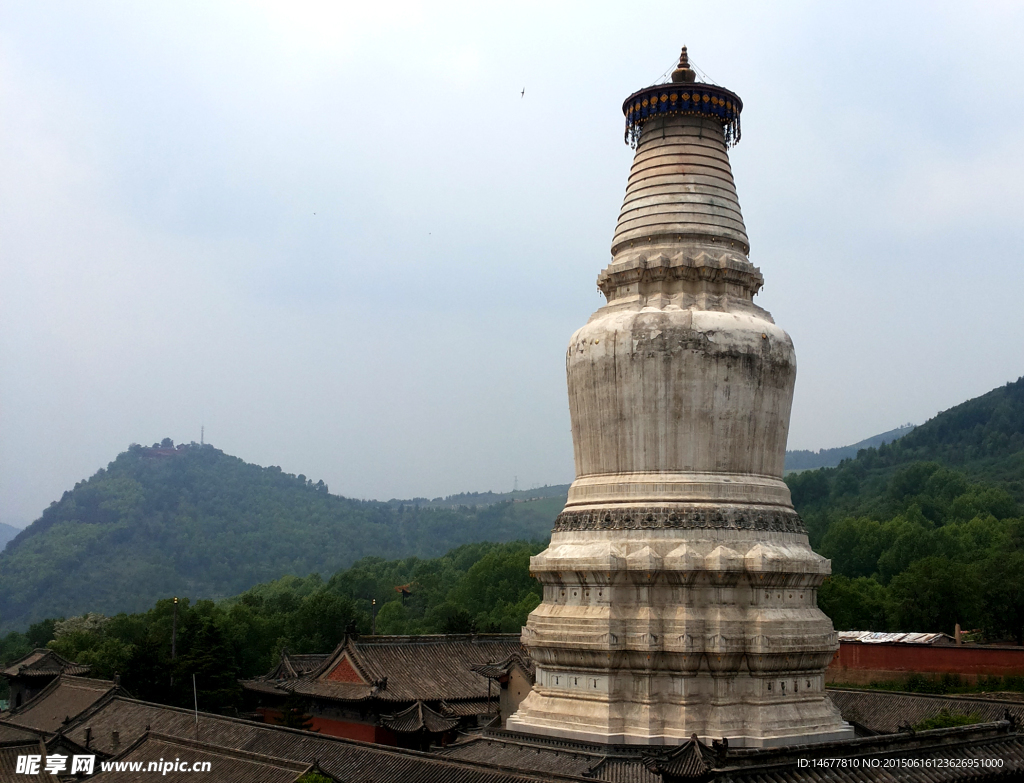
x: 683, y: 96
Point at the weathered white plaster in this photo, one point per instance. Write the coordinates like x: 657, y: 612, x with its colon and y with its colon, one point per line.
x: 680, y: 592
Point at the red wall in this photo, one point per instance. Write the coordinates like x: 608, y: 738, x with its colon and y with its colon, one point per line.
x: 364, y: 732
x: 857, y: 662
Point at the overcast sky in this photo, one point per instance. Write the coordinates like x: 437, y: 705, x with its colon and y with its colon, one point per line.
x: 338, y: 237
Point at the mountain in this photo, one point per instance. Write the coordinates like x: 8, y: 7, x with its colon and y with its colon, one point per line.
x: 195, y: 521
x: 981, y: 440
x: 7, y: 532
x: 803, y: 459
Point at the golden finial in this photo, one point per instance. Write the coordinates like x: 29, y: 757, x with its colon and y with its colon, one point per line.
x: 683, y: 72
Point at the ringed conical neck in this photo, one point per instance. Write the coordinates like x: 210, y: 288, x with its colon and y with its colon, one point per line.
x: 680, y: 220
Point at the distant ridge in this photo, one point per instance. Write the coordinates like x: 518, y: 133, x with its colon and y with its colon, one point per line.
x: 7, y: 532
x: 802, y: 459
x: 471, y: 499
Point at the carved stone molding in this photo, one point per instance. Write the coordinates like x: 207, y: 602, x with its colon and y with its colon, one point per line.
x: 667, y: 518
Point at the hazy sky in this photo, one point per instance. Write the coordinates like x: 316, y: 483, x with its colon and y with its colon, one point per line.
x: 338, y: 237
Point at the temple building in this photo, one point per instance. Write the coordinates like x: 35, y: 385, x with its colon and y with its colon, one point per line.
x: 31, y: 673
x: 680, y: 591
x: 408, y: 691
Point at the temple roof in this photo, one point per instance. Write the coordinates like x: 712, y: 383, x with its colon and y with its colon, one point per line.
x: 15, y: 734
x: 344, y: 759
x: 43, y: 663
x: 504, y: 757
x: 553, y: 756
x: 291, y: 666
x: 59, y: 702
x: 9, y: 764
x: 693, y: 759
x: 886, y: 711
x: 429, y: 668
x: 419, y: 717
x: 499, y: 669
x: 697, y: 762
x: 226, y: 765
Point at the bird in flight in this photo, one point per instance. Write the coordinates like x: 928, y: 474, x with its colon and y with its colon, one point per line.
x: 523, y: 93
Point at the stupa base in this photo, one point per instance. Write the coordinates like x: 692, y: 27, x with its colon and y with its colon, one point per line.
x: 744, y: 724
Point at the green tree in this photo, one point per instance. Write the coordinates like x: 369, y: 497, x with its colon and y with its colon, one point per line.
x: 1002, y: 578
x: 392, y: 618
x: 213, y: 664
x: 934, y: 594
x: 854, y: 604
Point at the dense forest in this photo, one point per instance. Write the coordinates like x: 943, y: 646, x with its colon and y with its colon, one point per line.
x: 475, y: 587
x: 928, y: 531
x: 191, y: 520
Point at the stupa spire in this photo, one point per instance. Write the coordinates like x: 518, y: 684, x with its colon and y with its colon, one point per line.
x: 683, y: 72
x: 680, y: 591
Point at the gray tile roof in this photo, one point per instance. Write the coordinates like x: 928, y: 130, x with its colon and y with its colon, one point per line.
x: 9, y: 764
x: 397, y: 669
x: 226, y: 766
x: 291, y: 666
x: 347, y: 760
x: 63, y: 699
x: 554, y: 756
x: 937, y: 756
x: 963, y: 746
x: 886, y: 711
x: 419, y: 717
x: 16, y: 734
x: 43, y: 663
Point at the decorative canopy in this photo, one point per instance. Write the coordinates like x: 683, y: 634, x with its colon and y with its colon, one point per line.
x: 683, y: 95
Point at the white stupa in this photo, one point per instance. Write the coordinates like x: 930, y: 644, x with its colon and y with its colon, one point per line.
x: 680, y: 591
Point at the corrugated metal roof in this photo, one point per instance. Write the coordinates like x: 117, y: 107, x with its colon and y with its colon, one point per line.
x: 872, y: 637
x: 64, y: 698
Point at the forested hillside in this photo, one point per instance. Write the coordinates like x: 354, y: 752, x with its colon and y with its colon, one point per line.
x: 476, y: 587
x: 928, y: 531
x: 982, y: 438
x: 194, y: 521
